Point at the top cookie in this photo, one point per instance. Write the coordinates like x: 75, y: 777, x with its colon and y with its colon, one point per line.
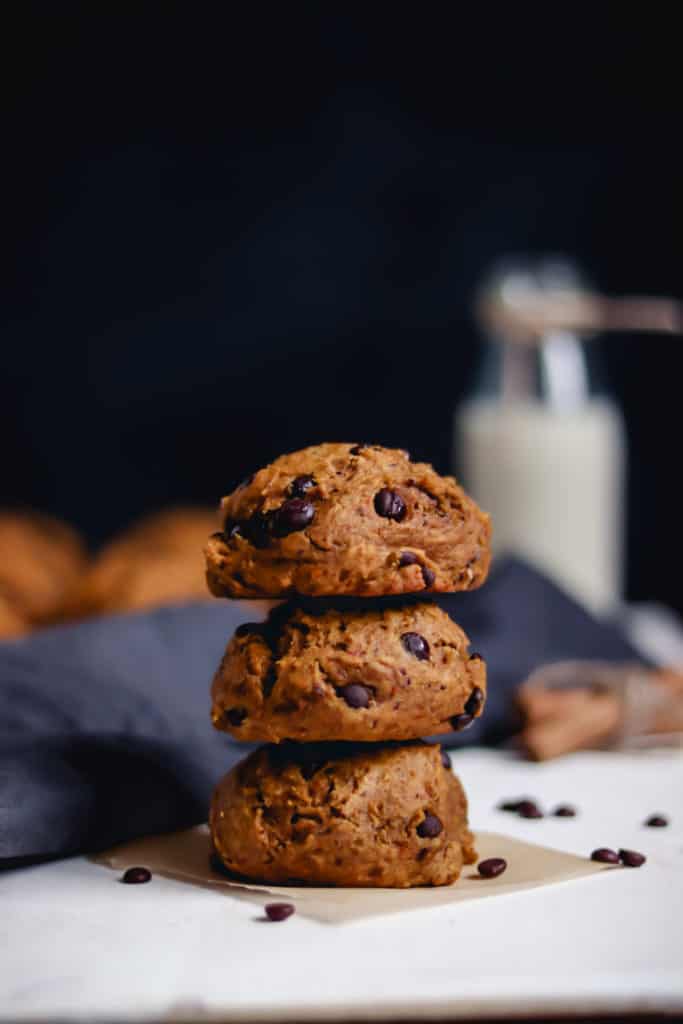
x: 345, y: 519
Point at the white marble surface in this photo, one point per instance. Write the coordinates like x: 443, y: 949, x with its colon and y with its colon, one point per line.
x: 75, y: 944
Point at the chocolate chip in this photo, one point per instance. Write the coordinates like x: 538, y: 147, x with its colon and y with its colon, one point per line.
x: 355, y: 695
x: 357, y: 449
x: 295, y: 514
x: 605, y: 856
x: 236, y: 716
x: 256, y: 530
x: 279, y: 911
x: 475, y: 702
x: 657, y: 821
x: 390, y: 505
x: 476, y: 656
x: 564, y: 811
x: 232, y: 529
x: 430, y: 828
x: 460, y: 722
x: 446, y: 759
x: 511, y: 805
x: 492, y: 867
x: 136, y: 876
x: 249, y: 627
x: 428, y: 576
x: 416, y: 645
x: 300, y: 485
x: 631, y: 858
x: 407, y: 558
x: 529, y: 809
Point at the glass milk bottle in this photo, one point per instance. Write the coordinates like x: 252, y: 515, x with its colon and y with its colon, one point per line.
x: 538, y: 446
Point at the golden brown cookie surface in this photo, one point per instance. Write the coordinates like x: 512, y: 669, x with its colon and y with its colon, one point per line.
x: 339, y: 519
x: 366, y: 674
x: 343, y: 815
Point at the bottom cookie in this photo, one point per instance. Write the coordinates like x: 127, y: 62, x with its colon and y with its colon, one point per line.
x: 343, y: 815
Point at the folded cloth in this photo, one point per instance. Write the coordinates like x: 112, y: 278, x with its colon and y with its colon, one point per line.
x: 104, y: 726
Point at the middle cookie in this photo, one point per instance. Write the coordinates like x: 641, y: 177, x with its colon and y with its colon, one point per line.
x: 366, y: 674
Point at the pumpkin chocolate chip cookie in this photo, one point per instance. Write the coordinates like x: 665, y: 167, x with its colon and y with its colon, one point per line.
x: 348, y: 519
x: 367, y: 673
x: 345, y: 815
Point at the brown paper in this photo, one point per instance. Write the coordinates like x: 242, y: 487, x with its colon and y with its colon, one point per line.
x: 185, y: 856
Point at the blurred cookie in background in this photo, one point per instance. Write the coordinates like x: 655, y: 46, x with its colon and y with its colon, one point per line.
x: 41, y: 559
x: 156, y: 561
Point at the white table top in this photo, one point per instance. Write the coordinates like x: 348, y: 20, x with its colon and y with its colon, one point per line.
x: 74, y: 944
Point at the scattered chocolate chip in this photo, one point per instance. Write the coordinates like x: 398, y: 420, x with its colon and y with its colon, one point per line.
x: 446, y: 759
x: 657, y: 821
x: 511, y: 805
x: 236, y: 716
x: 136, y: 876
x: 631, y: 858
x: 476, y: 656
x: 390, y: 505
x: 529, y: 809
x: 416, y: 645
x: 295, y: 514
x: 300, y: 485
x: 355, y: 695
x: 564, y: 811
x: 460, y: 722
x: 279, y: 911
x: 430, y: 828
x: 475, y: 702
x: 407, y: 558
x: 492, y: 867
x: 605, y: 856
x: 428, y: 576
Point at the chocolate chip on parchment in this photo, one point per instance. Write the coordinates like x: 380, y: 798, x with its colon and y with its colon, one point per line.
x: 605, y: 856
x: 355, y: 695
x: 492, y: 867
x: 279, y: 911
x: 529, y: 809
x: 657, y: 821
x: 430, y: 827
x: 416, y: 645
x: 475, y: 702
x: 136, y: 876
x: 390, y: 505
x: 564, y: 811
x: 631, y: 858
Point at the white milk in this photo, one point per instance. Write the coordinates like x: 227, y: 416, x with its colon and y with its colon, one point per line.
x: 552, y: 482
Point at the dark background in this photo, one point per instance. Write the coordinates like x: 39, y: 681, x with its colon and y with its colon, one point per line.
x: 229, y: 237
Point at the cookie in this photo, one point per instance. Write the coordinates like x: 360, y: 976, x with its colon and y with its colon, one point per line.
x: 343, y: 815
x: 365, y: 674
x: 40, y: 559
x: 340, y: 519
x: 156, y: 561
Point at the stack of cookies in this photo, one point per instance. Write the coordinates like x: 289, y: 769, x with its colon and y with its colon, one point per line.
x: 345, y: 677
